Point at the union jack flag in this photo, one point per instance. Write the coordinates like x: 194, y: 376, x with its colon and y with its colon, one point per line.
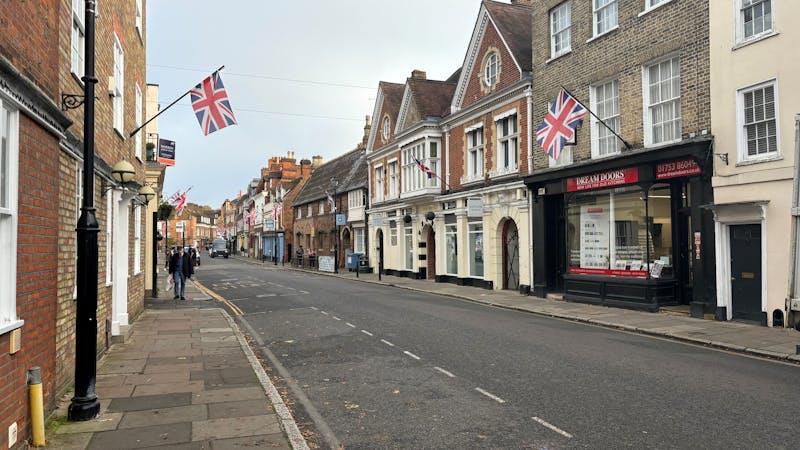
x: 425, y: 169
x: 178, y: 201
x: 211, y: 105
x: 250, y: 217
x: 277, y: 210
x: 558, y: 128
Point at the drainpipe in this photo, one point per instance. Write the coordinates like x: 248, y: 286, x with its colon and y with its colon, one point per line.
x: 792, y: 297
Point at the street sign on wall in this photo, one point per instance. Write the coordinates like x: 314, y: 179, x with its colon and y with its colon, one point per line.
x: 166, y: 152
x: 475, y: 207
x: 341, y: 219
x: 326, y: 264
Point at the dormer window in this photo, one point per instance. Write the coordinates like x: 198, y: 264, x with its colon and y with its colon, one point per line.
x: 387, y: 126
x: 490, y: 69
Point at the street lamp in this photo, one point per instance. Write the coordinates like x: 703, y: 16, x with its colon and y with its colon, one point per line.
x: 146, y: 193
x: 84, y: 405
x: 123, y: 172
x: 335, y: 184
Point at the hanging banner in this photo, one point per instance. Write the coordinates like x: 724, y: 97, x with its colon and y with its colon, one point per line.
x: 166, y: 152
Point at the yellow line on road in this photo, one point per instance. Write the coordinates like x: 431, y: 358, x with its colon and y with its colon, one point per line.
x: 236, y: 310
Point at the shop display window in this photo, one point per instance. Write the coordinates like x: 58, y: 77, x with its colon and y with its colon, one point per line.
x: 451, y: 238
x: 476, y: 249
x: 610, y: 233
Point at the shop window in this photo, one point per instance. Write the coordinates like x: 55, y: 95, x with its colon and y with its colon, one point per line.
x: 660, y: 227
x: 393, y: 233
x: 408, y: 241
x: 476, y: 249
x: 607, y: 233
x: 451, y: 242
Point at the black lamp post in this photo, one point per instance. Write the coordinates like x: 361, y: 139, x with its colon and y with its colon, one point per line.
x: 84, y: 405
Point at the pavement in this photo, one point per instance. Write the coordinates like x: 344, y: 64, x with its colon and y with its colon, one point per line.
x: 184, y: 379
x: 777, y: 343
x: 377, y: 366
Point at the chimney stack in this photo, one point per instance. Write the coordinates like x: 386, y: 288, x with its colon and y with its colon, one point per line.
x: 290, y: 154
x: 305, y: 169
x: 367, y: 127
x: 316, y: 161
x: 419, y: 75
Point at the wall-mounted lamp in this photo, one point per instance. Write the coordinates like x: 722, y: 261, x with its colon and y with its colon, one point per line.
x: 722, y: 157
x: 122, y: 173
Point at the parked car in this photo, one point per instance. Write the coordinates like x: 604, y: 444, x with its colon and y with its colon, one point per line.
x: 219, y: 248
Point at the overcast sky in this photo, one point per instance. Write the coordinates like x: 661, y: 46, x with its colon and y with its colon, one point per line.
x: 347, y: 42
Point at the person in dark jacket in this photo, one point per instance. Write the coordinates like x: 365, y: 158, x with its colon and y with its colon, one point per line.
x: 180, y: 268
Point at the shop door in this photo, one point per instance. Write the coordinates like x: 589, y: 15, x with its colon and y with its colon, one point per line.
x: 746, y: 271
x: 430, y: 246
x: 510, y: 256
x: 556, y: 242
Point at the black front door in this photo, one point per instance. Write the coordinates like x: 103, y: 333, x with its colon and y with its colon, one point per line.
x: 555, y: 242
x: 746, y: 271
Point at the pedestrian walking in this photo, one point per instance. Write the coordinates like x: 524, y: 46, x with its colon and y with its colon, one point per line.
x: 180, y: 268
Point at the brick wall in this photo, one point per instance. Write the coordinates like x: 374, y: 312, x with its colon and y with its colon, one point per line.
x: 679, y: 27
x: 508, y: 73
x: 37, y: 265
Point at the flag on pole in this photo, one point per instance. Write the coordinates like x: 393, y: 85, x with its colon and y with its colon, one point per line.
x: 277, y: 210
x: 211, y: 105
x: 178, y: 201
x: 560, y: 123
x: 425, y: 169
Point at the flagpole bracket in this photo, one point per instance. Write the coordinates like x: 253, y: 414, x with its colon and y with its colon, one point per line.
x: 71, y: 101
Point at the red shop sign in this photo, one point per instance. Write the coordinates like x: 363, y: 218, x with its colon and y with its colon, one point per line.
x: 677, y: 168
x: 601, y: 180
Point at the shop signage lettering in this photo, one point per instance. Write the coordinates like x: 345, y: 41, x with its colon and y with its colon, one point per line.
x: 678, y: 168
x: 166, y: 152
x: 609, y: 272
x: 603, y: 179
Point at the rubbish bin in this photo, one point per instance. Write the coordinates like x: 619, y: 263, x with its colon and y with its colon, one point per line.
x: 352, y: 260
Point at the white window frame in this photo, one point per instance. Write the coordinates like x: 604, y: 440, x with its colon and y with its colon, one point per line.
x: 742, y: 131
x: 137, y: 138
x: 138, y: 22
x: 612, y: 8
x: 118, y: 101
x: 562, y: 9
x: 109, y: 237
x: 491, y: 69
x: 412, y: 177
x: 9, y: 217
x: 450, y: 229
x: 597, y: 127
x: 394, y: 178
x: 652, y: 4
x: 137, y: 239
x: 647, y: 114
x: 470, y: 250
x: 78, y: 38
x: 387, y: 129
x: 476, y: 148
x: 408, y: 247
x: 358, y: 240
x: 741, y: 38
x: 504, y: 164
x: 378, y: 194
x: 322, y: 207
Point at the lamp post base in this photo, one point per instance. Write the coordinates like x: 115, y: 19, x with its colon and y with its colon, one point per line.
x: 83, y: 408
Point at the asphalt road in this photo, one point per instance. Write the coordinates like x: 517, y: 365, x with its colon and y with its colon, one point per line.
x: 386, y: 367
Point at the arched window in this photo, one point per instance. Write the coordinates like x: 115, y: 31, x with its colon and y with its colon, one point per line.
x: 490, y: 70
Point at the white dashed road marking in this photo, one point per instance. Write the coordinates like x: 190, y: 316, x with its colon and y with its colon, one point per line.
x: 387, y: 342
x: 367, y: 333
x: 265, y: 295
x: 412, y: 355
x: 350, y: 325
x: 315, y: 308
x: 552, y: 427
x: 439, y: 369
x: 323, y: 312
x: 490, y: 395
x: 304, y: 292
x: 336, y: 318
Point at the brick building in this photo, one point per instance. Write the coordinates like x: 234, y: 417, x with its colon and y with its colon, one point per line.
x: 32, y: 126
x: 468, y: 223
x: 41, y: 58
x: 199, y: 227
x: 314, y: 224
x: 621, y: 222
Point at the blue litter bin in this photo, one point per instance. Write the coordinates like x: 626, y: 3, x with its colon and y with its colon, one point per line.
x: 352, y: 260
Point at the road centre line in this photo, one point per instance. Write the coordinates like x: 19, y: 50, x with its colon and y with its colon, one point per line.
x: 387, y: 342
x: 439, y: 369
x: 552, y: 427
x: 314, y: 308
x: 336, y: 318
x: 350, y: 325
x: 490, y: 395
x: 324, y: 312
x: 265, y: 295
x: 412, y: 355
x: 367, y: 333
x: 304, y: 292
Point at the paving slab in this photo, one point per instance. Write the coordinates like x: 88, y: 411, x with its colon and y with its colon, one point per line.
x: 235, y: 427
x: 145, y: 402
x: 124, y: 366
x: 167, y: 388
x: 228, y: 395
x: 115, y: 392
x: 158, y: 378
x: 264, y: 441
x: 242, y: 408
x: 104, y: 422
x: 142, y: 437
x: 163, y: 416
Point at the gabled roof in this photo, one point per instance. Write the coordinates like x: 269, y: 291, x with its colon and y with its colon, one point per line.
x: 349, y: 169
x: 513, y: 23
x: 430, y: 98
x: 388, y: 103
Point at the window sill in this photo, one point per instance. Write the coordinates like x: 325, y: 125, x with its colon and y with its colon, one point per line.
x: 607, y: 155
x: 471, y: 180
x: 609, y: 31
x: 753, y: 40
x: 504, y: 172
x: 11, y: 326
x: 560, y: 55
x: 750, y: 162
x: 662, y: 144
x: 653, y: 8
